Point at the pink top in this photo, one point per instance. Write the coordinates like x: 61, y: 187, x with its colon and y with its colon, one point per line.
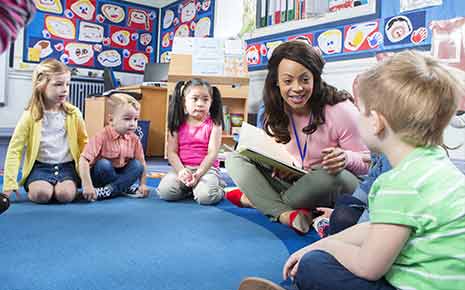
x: 109, y: 144
x: 339, y: 130
x: 193, y: 142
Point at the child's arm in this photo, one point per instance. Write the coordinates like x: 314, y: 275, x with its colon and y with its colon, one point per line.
x: 88, y: 190
x: 184, y: 174
x: 370, y: 259
x: 15, y: 151
x: 214, y: 145
x: 139, y: 155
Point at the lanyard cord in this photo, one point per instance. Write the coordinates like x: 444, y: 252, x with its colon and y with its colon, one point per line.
x: 302, y: 153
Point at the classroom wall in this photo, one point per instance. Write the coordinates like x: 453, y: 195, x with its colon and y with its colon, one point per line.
x: 15, y: 87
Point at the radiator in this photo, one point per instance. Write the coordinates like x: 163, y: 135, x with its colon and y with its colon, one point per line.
x: 81, y: 88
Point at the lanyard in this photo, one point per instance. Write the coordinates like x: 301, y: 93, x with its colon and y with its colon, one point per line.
x: 299, y: 146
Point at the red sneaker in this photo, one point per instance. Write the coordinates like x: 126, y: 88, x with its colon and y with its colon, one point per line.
x: 298, y: 221
x: 234, y: 196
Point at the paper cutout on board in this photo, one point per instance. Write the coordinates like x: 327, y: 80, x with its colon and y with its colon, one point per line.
x: 90, y: 32
x: 330, y: 41
x: 307, y: 38
x: 271, y: 46
x: 113, y: 13
x: 168, y: 19
x: 145, y: 39
x: 50, y: 6
x: 109, y: 58
x: 253, y: 55
x: 206, y: 5
x: 182, y: 31
x: 336, y: 5
x: 60, y: 27
x: 165, y: 57
x: 419, y: 35
x: 83, y: 9
x: 202, y: 28
x: 79, y: 53
x: 33, y: 54
x: 188, y: 11
x: 45, y: 48
x: 123, y: 38
x: 137, y: 61
x: 139, y: 19
x: 166, y: 40
x: 398, y: 28
x: 356, y: 36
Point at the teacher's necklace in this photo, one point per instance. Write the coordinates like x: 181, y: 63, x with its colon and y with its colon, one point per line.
x: 303, y: 152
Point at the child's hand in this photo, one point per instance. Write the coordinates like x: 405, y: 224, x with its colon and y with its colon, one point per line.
x: 195, y: 179
x: 9, y: 193
x: 326, y: 211
x: 88, y: 192
x: 144, y: 190
x: 185, y: 176
x: 334, y: 160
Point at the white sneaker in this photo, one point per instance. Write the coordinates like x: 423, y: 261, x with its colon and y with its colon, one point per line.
x: 133, y: 192
x: 104, y: 192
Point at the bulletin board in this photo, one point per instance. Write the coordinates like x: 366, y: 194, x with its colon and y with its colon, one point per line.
x: 93, y: 34
x: 352, y: 38
x: 185, y: 18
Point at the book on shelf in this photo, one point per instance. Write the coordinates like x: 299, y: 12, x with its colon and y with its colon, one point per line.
x: 255, y: 144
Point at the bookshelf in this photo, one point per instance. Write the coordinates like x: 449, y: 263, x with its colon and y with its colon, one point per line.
x: 307, y: 20
x: 234, y: 89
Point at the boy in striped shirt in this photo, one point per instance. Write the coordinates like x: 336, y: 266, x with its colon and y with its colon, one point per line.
x: 416, y: 237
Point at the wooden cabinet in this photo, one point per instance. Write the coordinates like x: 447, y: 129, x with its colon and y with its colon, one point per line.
x: 234, y: 90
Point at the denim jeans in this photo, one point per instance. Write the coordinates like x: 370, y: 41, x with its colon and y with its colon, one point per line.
x: 319, y: 270
x: 120, y: 179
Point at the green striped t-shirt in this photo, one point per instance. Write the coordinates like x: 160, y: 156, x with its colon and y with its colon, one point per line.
x: 425, y: 192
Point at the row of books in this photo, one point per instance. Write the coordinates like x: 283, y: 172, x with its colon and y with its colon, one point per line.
x: 270, y: 12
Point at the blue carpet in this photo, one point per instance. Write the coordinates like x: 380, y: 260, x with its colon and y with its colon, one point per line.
x: 139, y: 244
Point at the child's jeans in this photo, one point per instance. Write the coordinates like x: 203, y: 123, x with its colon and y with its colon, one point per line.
x: 319, y: 270
x: 120, y: 179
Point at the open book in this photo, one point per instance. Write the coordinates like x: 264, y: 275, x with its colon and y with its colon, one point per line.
x: 255, y: 144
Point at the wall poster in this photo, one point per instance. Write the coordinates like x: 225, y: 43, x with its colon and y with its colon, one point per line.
x: 93, y: 34
x: 183, y: 19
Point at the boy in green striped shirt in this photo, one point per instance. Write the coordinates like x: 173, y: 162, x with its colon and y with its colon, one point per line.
x: 416, y: 237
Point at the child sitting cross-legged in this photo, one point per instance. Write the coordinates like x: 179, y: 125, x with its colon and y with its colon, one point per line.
x: 416, y: 235
x: 113, y: 160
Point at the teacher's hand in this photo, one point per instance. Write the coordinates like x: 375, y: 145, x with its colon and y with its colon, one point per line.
x: 334, y: 160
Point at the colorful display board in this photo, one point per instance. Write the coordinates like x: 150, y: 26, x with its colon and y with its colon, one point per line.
x: 185, y: 18
x: 396, y: 32
x: 93, y: 34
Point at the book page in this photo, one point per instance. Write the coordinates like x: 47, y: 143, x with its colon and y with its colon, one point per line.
x: 257, y: 145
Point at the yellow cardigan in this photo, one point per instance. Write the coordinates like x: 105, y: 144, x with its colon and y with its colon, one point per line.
x: 28, y: 134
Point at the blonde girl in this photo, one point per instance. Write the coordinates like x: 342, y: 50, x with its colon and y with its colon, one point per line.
x: 53, y: 133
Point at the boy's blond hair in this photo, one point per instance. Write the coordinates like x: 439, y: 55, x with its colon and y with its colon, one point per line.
x: 415, y: 93
x: 119, y: 100
x: 40, y: 79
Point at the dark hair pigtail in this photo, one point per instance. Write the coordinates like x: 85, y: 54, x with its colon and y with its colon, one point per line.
x: 176, y: 109
x: 216, y: 108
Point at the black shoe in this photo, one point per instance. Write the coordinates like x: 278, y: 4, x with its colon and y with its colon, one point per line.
x: 4, y: 203
x: 104, y: 192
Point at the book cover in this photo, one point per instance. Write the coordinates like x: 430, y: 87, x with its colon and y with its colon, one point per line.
x: 255, y: 144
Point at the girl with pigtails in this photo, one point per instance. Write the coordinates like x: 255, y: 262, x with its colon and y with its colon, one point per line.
x: 195, y: 121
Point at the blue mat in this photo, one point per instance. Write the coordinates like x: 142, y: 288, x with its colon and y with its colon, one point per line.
x: 139, y: 244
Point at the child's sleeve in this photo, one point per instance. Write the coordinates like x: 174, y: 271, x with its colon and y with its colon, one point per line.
x: 83, y: 138
x: 93, y: 148
x: 15, y: 151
